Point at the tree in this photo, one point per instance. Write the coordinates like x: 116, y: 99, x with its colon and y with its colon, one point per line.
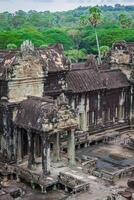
x: 76, y: 36
x: 83, y: 20
x: 94, y: 18
x: 11, y: 46
x: 104, y: 50
x: 125, y: 21
x: 75, y: 55
x: 52, y: 36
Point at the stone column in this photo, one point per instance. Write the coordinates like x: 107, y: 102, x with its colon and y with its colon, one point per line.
x: 45, y: 154
x: 31, y: 159
x: 35, y: 146
x: 56, y: 148
x: 121, y: 107
x: 99, y: 119
x: 132, y: 107
x: 71, y: 148
x: 15, y: 143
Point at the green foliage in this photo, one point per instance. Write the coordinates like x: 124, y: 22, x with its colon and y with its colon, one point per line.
x: 43, y: 46
x: 95, y: 16
x: 104, y: 50
x: 44, y: 28
x: 75, y: 55
x: 50, y: 36
x: 53, y: 36
x: 76, y: 36
x: 83, y: 20
x: 125, y: 21
x: 107, y: 37
x: 11, y: 46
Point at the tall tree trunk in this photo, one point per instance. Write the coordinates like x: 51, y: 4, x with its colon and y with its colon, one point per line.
x: 98, y: 46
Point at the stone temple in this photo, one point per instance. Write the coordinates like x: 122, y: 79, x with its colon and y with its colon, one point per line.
x: 49, y: 105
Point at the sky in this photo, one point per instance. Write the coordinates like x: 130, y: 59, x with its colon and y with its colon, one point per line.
x: 54, y: 5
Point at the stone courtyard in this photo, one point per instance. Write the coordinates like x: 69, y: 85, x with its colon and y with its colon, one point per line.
x: 111, y: 156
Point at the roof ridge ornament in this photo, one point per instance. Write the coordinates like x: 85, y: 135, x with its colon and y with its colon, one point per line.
x: 27, y: 47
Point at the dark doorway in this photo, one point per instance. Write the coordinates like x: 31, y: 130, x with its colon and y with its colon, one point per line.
x: 38, y: 145
x: 24, y: 143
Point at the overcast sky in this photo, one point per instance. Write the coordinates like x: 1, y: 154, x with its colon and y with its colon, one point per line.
x: 54, y: 5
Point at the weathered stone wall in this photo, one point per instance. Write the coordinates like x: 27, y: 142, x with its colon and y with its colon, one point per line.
x: 19, y: 90
x: 101, y: 109
x: 120, y: 57
x: 55, y: 81
x: 26, y: 78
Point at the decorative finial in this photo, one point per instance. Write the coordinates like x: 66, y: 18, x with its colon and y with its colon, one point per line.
x: 27, y: 47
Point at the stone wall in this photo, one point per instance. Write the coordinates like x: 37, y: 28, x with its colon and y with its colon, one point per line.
x: 20, y: 89
x: 120, y: 57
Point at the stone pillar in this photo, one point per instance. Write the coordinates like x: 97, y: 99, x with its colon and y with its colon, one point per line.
x: 121, y: 107
x: 99, y: 102
x: 35, y: 146
x: 15, y: 143
x: 45, y: 154
x: 56, y: 148
x: 71, y: 148
x: 132, y: 108
x: 19, y: 145
x: 99, y: 118
x: 31, y: 159
x: 83, y: 114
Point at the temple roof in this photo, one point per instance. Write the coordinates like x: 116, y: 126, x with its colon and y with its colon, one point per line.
x: 84, y: 80
x: 113, y: 79
x: 51, y: 59
x: 90, y: 80
x: 43, y: 114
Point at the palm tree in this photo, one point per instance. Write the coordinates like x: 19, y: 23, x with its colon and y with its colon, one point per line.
x: 94, y: 18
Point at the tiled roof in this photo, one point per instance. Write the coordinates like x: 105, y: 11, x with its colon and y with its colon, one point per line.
x: 114, y: 79
x: 84, y: 80
x: 33, y: 112
x: 43, y: 114
x: 89, y: 80
x: 76, y: 66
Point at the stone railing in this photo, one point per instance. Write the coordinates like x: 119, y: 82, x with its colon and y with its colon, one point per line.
x: 109, y: 176
x: 73, y: 182
x: 27, y: 175
x: 89, y: 166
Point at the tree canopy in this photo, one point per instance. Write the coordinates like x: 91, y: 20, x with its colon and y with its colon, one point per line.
x: 44, y: 28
